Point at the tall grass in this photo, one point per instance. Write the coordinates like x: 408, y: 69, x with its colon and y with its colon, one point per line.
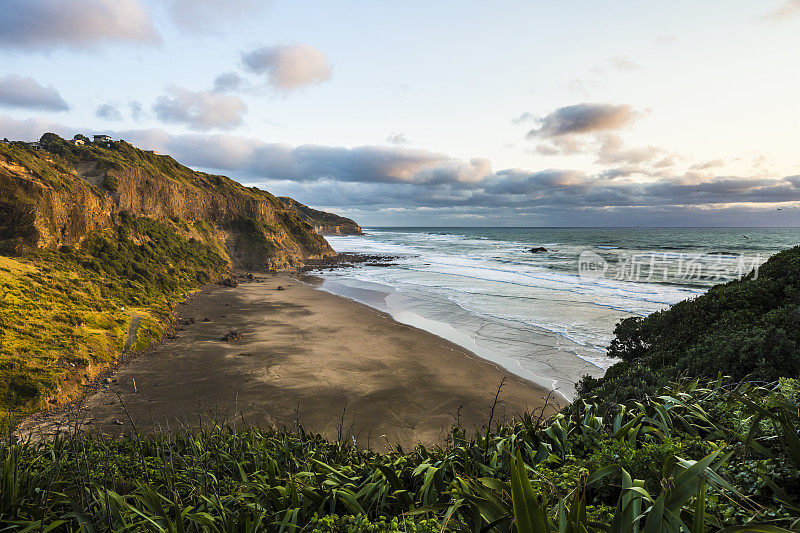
x: 532, y: 476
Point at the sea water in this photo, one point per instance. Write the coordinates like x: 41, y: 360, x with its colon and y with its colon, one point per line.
x: 483, y: 289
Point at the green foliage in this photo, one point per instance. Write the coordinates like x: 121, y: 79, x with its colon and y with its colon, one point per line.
x: 68, y: 309
x: 747, y: 328
x: 362, y: 524
x: 515, y: 478
x: 52, y: 171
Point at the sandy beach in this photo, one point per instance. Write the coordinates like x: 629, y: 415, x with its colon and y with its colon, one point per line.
x: 305, y: 357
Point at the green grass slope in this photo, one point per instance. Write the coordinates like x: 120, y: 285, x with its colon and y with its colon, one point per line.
x: 94, y: 238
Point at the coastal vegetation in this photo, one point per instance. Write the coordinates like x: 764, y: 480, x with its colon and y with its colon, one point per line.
x: 98, y: 242
x: 696, y: 457
x: 69, y: 310
x: 695, y: 429
x: 745, y: 329
x: 324, y: 223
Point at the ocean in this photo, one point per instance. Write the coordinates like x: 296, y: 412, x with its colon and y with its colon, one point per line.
x: 547, y: 316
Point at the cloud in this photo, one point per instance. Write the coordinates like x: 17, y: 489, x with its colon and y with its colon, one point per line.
x: 202, y: 110
x: 137, y: 110
x: 624, y: 64
x: 397, y: 138
x: 613, y: 151
x: 228, y: 81
x: 31, y: 129
x: 251, y: 158
x: 108, y: 112
x: 524, y: 117
x: 426, y: 187
x: 289, y: 67
x: 48, y: 24
x: 516, y: 181
x: 789, y: 9
x: 583, y: 118
x: 706, y: 165
x: 205, y: 15
x: 24, y: 92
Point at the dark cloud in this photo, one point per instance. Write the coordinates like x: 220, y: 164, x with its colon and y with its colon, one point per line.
x: 583, y: 118
x: 23, y: 92
x: 201, y: 110
x: 289, y: 67
x: 427, y: 179
x: 516, y: 181
x: 47, y: 24
x: 401, y: 185
x: 108, y: 112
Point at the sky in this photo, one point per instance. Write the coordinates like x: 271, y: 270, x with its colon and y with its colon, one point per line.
x: 420, y: 113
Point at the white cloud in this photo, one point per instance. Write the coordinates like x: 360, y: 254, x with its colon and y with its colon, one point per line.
x: 289, y: 67
x: 200, y: 110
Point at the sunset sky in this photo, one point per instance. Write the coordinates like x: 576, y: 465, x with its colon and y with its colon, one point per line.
x: 436, y: 113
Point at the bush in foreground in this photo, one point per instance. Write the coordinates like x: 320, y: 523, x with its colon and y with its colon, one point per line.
x: 746, y: 329
x: 699, y: 458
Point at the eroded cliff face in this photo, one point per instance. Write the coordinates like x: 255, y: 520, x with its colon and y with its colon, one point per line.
x: 60, y: 195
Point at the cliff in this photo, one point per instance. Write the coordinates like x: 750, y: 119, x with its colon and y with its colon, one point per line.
x: 100, y: 242
x: 62, y: 193
x: 324, y: 223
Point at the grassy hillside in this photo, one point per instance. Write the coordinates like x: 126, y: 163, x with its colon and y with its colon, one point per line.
x: 63, y: 193
x: 96, y: 245
x: 66, y: 313
x: 747, y: 328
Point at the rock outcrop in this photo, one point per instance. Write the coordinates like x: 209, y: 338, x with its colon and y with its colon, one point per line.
x: 60, y: 194
x: 324, y: 223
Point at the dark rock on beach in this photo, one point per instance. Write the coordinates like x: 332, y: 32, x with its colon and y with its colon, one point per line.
x: 232, y: 336
x: 349, y: 260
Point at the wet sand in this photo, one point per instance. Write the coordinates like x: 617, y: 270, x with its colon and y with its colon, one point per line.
x: 305, y: 357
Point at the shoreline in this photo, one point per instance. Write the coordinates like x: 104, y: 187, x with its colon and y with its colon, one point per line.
x: 306, y: 358
x: 559, y: 361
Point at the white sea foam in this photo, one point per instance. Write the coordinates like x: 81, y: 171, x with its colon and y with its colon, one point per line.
x: 491, y: 291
